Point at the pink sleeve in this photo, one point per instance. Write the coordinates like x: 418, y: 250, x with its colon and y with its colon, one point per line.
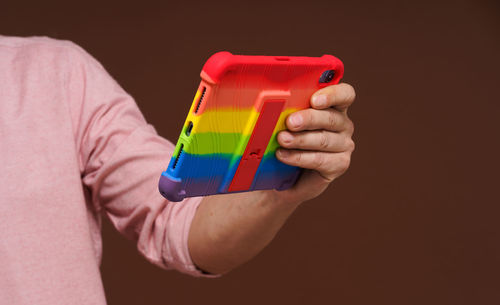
x: 121, y: 158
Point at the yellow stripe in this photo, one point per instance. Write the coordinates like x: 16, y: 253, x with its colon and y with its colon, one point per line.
x: 195, y: 99
x: 230, y: 121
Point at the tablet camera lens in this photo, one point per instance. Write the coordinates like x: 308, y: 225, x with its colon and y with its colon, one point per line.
x: 327, y: 76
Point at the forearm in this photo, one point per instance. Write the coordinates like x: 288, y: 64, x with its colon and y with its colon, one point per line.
x: 228, y: 230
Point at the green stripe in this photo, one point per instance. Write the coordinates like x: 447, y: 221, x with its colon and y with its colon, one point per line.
x: 208, y: 143
x: 215, y: 143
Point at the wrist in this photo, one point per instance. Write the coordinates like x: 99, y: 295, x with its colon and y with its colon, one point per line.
x: 277, y: 202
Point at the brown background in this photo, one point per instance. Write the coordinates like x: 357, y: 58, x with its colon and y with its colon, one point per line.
x: 415, y: 219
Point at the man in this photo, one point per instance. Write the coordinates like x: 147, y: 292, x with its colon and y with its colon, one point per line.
x: 74, y: 145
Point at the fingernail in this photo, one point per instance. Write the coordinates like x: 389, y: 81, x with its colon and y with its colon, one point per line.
x: 319, y: 100
x: 286, y: 137
x: 296, y: 120
x: 283, y: 153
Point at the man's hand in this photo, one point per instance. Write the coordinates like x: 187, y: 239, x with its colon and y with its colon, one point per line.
x: 320, y: 140
x: 228, y: 230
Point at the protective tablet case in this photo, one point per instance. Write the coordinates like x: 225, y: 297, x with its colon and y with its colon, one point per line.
x: 228, y: 141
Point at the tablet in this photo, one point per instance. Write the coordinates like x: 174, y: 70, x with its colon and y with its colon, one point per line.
x: 228, y: 141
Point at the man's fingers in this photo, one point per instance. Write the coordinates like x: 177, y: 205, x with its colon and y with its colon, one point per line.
x: 339, y: 96
x: 329, y: 165
x: 319, y: 140
x: 313, y: 119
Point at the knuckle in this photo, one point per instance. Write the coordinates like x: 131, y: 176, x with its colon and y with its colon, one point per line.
x: 350, y: 126
x: 332, y: 120
x: 344, y: 162
x: 323, y: 140
x: 318, y: 161
x: 298, y: 156
x: 300, y: 141
x: 350, y: 145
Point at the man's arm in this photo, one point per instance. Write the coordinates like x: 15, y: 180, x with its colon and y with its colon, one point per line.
x: 121, y: 157
x: 230, y: 229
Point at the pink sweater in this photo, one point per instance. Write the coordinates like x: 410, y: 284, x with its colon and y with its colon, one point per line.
x: 74, y: 145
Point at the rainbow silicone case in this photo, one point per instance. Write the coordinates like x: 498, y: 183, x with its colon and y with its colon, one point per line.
x: 228, y: 141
